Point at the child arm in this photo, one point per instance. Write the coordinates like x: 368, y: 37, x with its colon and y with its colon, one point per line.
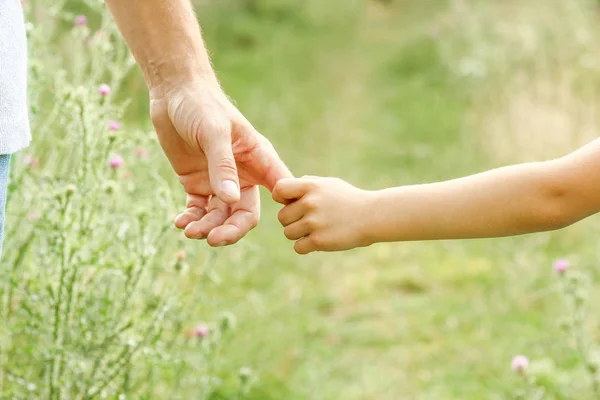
x: 329, y: 214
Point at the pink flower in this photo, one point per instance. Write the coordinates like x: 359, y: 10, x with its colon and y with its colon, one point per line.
x: 201, y: 331
x: 116, y: 161
x: 31, y: 161
x: 141, y: 152
x: 104, y: 89
x: 561, y: 265
x: 81, y: 20
x: 114, y: 125
x: 34, y: 216
x: 100, y: 34
x: 180, y: 255
x: 128, y: 175
x: 519, y: 363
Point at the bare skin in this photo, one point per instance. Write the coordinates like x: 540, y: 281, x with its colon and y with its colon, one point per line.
x: 218, y: 155
x: 328, y: 214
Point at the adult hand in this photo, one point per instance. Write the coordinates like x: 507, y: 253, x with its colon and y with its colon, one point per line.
x: 219, y: 157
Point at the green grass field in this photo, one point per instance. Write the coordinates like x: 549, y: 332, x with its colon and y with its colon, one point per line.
x: 373, y: 98
x: 394, y: 93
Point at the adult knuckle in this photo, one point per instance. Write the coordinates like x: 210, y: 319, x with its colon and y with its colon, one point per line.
x: 253, y: 220
x: 186, y: 183
x: 225, y: 162
x: 219, y: 129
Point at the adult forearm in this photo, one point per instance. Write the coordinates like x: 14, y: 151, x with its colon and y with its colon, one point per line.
x: 507, y: 201
x: 165, y: 38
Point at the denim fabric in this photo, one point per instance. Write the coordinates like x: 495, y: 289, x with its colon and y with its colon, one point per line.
x: 4, y: 163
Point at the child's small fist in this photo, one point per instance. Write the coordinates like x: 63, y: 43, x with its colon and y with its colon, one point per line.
x: 323, y: 214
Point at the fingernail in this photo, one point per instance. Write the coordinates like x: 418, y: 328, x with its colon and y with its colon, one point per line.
x: 230, y: 188
x: 220, y: 244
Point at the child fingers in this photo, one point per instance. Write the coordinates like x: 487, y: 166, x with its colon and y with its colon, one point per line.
x: 296, y: 231
x: 290, y: 189
x: 305, y: 246
x: 291, y: 213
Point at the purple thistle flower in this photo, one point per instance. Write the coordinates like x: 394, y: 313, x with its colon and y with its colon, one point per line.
x: 81, y: 20
x: 201, y: 331
x: 114, y: 126
x: 116, y: 161
x: 104, y: 89
x: 561, y: 265
x: 519, y: 363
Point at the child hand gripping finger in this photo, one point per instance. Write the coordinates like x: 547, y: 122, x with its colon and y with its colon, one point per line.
x: 323, y: 214
x: 328, y: 214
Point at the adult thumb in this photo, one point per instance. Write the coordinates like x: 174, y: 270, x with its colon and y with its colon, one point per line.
x: 222, y: 168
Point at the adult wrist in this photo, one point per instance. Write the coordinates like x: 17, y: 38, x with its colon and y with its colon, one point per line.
x: 163, y: 77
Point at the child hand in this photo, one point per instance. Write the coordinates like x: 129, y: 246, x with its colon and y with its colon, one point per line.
x: 323, y: 214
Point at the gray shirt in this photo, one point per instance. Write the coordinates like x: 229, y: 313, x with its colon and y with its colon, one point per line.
x: 14, y: 121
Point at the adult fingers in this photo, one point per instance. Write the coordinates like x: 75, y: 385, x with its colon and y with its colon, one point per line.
x: 274, y: 167
x: 218, y: 211
x: 221, y: 162
x: 245, y: 215
x: 265, y: 164
x: 196, y: 209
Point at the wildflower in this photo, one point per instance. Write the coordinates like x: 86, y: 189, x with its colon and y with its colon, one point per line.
x: 116, y: 161
x: 141, y: 153
x: 201, y: 331
x: 104, y: 89
x: 561, y: 265
x: 520, y: 363
x: 34, y: 216
x: 227, y: 321
x: 114, y: 126
x: 81, y: 20
x: 180, y: 255
x: 110, y: 187
x: 31, y: 161
x: 245, y: 374
x: 70, y: 189
x: 100, y: 34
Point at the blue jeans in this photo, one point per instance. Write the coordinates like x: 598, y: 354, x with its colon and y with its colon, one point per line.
x: 4, y: 164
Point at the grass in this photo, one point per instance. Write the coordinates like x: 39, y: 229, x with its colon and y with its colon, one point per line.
x: 395, y: 321
x: 381, y: 94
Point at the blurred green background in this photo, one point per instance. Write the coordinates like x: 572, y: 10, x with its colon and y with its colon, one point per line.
x: 392, y: 93
x: 385, y: 93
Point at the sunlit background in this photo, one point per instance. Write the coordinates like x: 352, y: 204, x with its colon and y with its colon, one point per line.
x: 101, y: 296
